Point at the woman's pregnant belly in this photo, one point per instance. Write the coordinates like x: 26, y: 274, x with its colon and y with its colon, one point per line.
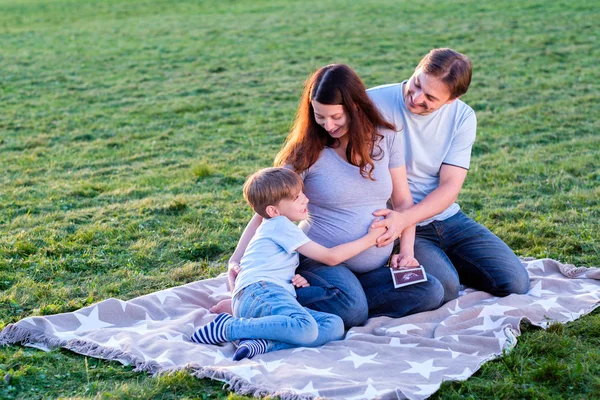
x: 333, y: 227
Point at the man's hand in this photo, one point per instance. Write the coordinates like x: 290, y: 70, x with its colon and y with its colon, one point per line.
x: 393, y: 223
x: 403, y: 261
x: 300, y: 281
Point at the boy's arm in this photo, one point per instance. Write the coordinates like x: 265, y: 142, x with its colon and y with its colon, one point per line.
x: 234, y: 260
x: 342, y: 252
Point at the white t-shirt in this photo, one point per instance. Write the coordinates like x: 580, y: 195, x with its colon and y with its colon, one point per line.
x: 445, y: 136
x: 271, y: 254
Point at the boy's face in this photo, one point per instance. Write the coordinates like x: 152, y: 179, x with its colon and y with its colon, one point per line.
x: 294, y: 209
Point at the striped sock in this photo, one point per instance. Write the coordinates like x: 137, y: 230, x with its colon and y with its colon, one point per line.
x: 213, y: 332
x: 249, y: 348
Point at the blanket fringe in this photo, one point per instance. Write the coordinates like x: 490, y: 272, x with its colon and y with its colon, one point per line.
x: 108, y: 353
x: 243, y: 387
x: 13, y: 334
x: 571, y: 271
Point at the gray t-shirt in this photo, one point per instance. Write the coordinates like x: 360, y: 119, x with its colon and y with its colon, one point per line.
x: 445, y: 136
x: 271, y: 254
x: 342, y: 202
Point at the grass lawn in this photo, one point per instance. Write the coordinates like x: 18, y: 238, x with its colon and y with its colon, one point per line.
x: 128, y: 127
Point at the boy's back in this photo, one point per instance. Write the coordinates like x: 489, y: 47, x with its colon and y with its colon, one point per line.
x: 271, y: 254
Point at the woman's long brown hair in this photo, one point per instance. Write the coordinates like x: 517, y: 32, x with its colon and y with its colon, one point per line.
x: 333, y: 85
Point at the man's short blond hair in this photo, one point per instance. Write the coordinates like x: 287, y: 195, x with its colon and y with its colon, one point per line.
x: 269, y: 186
x: 451, y: 67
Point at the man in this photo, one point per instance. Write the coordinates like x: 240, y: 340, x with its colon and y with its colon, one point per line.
x: 438, y: 130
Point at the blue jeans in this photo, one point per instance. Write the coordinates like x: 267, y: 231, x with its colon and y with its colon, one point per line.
x: 354, y: 298
x: 459, y: 250
x: 265, y: 310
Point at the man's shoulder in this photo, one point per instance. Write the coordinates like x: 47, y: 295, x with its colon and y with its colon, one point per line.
x: 461, y: 108
x: 382, y: 89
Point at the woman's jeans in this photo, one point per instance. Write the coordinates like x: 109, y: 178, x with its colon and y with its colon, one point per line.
x: 355, y: 297
x: 456, y: 247
x: 265, y: 310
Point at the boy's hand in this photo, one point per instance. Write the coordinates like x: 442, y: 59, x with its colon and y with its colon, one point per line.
x: 232, y: 272
x: 403, y: 261
x: 376, y: 232
x: 300, y: 281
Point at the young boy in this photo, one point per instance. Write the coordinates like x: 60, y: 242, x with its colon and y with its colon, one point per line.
x: 264, y: 298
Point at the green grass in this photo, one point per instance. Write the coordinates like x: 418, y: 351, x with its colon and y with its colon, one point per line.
x: 128, y: 127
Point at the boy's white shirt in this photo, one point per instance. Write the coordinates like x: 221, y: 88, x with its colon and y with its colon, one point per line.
x: 271, y: 254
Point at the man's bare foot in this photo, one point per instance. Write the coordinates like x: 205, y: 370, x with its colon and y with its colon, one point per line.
x: 224, y: 306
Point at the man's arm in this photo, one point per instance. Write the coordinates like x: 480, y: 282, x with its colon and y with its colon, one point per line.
x: 451, y: 181
x: 342, y: 252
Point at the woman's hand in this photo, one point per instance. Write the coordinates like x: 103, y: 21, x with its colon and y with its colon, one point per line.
x: 393, y: 224
x: 403, y: 261
x: 300, y: 281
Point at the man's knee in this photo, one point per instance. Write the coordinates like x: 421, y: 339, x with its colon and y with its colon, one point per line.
x: 516, y: 282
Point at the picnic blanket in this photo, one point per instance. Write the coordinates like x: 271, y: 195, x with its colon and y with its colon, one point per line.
x: 385, y: 359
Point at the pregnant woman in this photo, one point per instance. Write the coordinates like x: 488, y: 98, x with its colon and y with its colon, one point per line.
x: 352, y: 163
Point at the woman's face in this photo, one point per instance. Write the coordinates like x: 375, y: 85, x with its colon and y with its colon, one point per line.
x: 332, y: 117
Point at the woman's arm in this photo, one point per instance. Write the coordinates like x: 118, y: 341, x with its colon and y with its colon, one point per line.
x: 394, y: 221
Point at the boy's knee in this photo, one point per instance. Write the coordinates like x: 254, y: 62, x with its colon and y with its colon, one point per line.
x: 308, y: 334
x: 336, y: 327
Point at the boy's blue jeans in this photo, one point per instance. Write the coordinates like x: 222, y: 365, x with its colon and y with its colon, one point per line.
x: 265, y: 310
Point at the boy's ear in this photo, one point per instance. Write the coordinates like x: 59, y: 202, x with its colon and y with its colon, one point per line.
x: 272, y: 211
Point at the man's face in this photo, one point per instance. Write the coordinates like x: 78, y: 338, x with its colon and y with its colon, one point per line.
x: 424, y: 94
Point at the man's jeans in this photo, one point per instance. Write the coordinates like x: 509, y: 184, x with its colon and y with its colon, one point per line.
x: 265, y: 310
x: 459, y: 250
x: 354, y: 298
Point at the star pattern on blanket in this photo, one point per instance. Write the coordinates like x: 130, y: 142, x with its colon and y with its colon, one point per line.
x: 547, y: 304
x: 319, y: 371
x: 216, y: 354
x: 360, y: 360
x: 247, y: 372
x: 403, y: 329
x: 422, y: 368
x: 163, y: 359
x: 163, y: 295
x: 386, y: 357
x: 488, y: 324
x: 272, y: 365
x: 309, y: 388
x: 91, y: 321
x: 369, y: 393
x: 495, y: 310
x: 114, y: 343
x: 537, y: 291
x: 217, y: 291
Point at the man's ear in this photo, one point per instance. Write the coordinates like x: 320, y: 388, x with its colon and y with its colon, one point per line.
x: 272, y: 211
x: 452, y: 100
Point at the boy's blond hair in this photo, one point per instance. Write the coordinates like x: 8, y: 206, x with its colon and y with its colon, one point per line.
x: 269, y: 186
